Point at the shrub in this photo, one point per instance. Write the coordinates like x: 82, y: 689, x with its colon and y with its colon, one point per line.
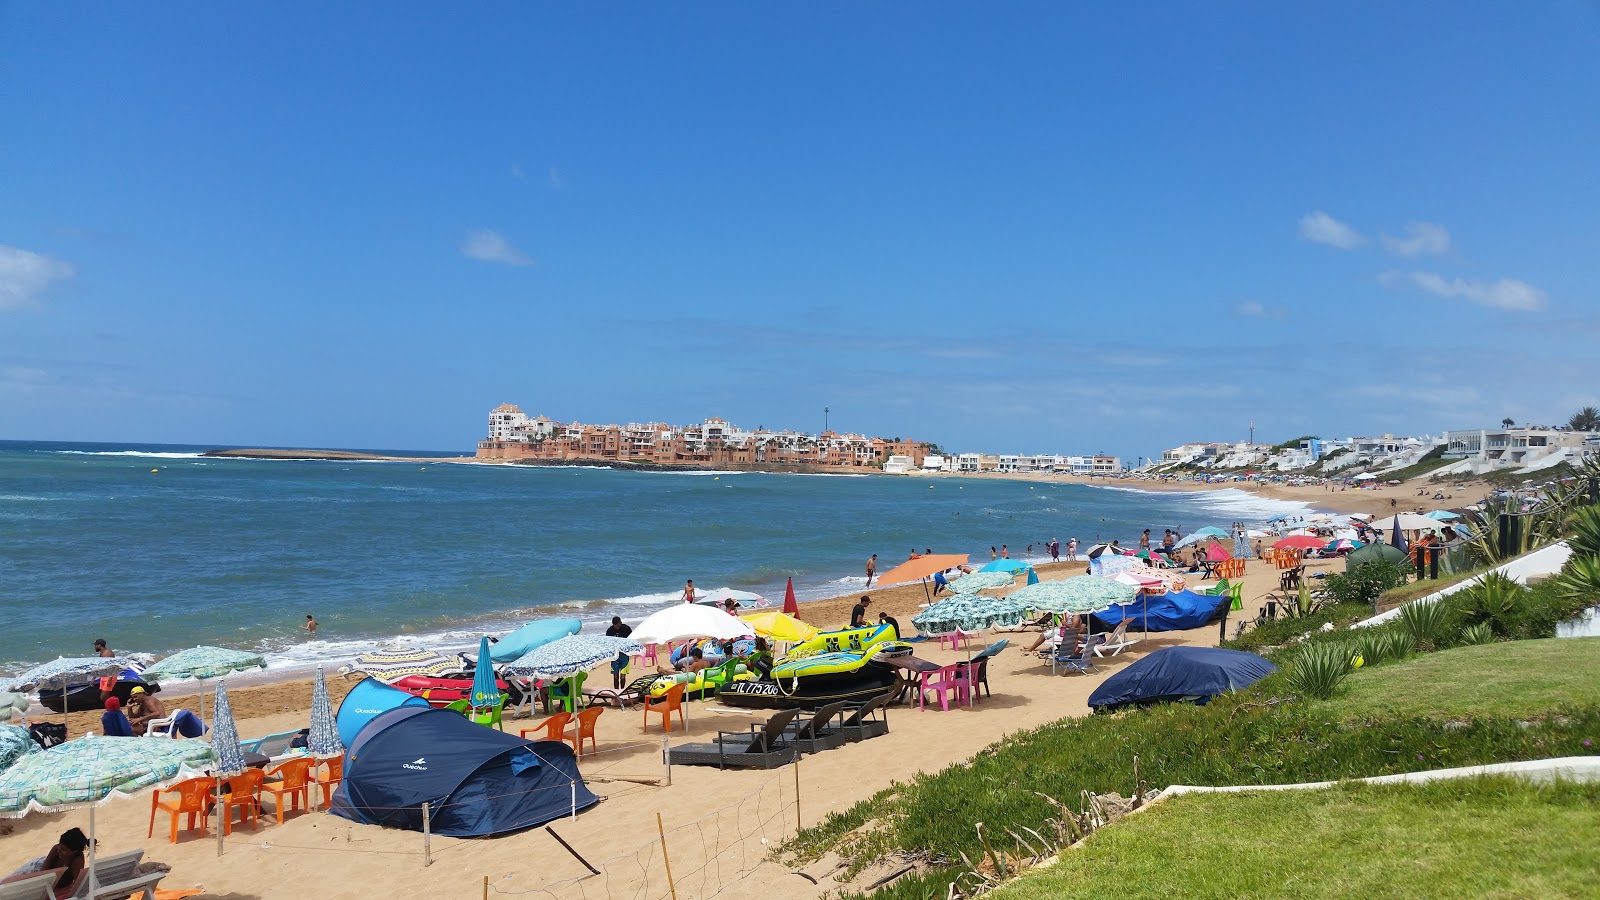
x: 1319, y: 668
x: 1495, y: 601
x: 1385, y: 644
x: 1427, y: 626
x: 1585, y: 524
x: 1579, y: 581
x: 1480, y: 633
x: 1365, y: 582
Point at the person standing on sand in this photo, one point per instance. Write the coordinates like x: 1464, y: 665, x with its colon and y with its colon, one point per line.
x: 688, y: 591
x: 1144, y: 540
x: 872, y: 568
x: 619, y: 666
x: 311, y: 624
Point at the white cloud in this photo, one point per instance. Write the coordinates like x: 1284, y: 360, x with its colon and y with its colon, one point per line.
x: 24, y: 276
x: 1256, y: 310
x: 1421, y: 239
x: 1321, y: 228
x: 1507, y: 293
x: 556, y: 181
x: 492, y: 246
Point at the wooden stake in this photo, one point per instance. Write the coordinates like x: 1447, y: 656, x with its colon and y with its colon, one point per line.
x: 427, y: 836
x: 662, y: 830
x: 797, y: 796
x: 562, y: 841
x: 485, y: 887
x: 666, y: 760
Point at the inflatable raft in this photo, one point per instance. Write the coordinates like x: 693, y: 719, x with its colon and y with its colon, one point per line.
x: 443, y: 690
x: 849, y: 664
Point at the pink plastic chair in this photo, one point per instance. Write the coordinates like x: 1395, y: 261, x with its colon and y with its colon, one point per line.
x: 957, y: 640
x: 945, y: 682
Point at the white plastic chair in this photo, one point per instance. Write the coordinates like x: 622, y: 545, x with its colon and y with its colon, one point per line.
x: 162, y: 727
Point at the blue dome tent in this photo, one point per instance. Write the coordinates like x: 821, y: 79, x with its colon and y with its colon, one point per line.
x: 365, y: 702
x: 1180, y: 673
x: 477, y: 781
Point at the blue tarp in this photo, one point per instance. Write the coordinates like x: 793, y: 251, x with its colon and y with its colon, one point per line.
x: 477, y: 781
x: 365, y: 702
x: 1172, y: 611
x: 1181, y: 673
x: 516, y: 645
x: 1006, y: 565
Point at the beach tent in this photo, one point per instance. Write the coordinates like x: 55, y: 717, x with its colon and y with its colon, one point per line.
x: 1006, y: 565
x: 1180, y: 673
x: 1172, y: 611
x: 477, y: 781
x: 1355, y: 559
x: 368, y: 700
x: 534, y: 634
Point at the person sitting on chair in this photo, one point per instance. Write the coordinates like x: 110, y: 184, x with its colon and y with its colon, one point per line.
x: 142, y: 707
x: 67, y: 854
x: 113, y: 723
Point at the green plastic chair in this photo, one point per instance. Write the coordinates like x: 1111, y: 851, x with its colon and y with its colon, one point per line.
x: 559, y: 695
x: 1237, y: 591
x: 487, y: 716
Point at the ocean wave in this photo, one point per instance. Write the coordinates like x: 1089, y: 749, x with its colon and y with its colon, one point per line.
x: 27, y: 498
x: 149, y: 454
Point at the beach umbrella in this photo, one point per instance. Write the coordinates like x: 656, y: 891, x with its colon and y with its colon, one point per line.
x: 225, y: 735
x: 534, y: 634
x: 1443, y: 515
x: 688, y: 620
x: 921, y: 568
x: 66, y: 671
x: 571, y: 655
x: 1099, y: 550
x: 1078, y: 595
x: 12, y: 703
x: 780, y: 627
x: 1033, y: 577
x: 980, y: 581
x: 1111, y: 565
x: 1343, y: 545
x: 389, y: 663
x: 323, y: 741
x: 1154, y: 581
x: 722, y: 595
x: 15, y: 743
x: 1006, y: 565
x: 1398, y: 540
x: 92, y: 770
x: 1299, y: 542
x: 790, y: 606
x: 968, y: 612
x: 485, y: 692
x: 204, y: 662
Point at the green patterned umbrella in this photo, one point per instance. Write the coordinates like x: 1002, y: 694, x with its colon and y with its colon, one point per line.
x: 968, y: 612
x: 1078, y: 595
x: 978, y: 581
x: 15, y: 743
x: 204, y: 662
x: 91, y: 769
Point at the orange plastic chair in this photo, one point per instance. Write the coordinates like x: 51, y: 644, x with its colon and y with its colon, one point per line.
x: 244, y: 794
x: 583, y: 727
x: 295, y: 785
x: 334, y: 775
x: 194, y: 798
x: 554, y: 727
x: 665, y: 704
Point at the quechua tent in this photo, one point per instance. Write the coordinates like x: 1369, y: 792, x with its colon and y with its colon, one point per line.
x: 368, y: 700
x: 1180, y: 673
x: 477, y: 781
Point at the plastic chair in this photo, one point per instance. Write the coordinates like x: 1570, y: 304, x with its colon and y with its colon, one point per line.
x: 583, y: 727
x: 554, y: 727
x: 163, y: 727
x: 295, y: 785
x: 945, y: 682
x: 665, y: 704
x: 193, y: 797
x: 243, y: 794
x: 566, y: 694
x: 335, y: 765
x: 957, y: 639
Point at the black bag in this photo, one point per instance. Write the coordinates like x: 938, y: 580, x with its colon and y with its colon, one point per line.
x: 48, y: 734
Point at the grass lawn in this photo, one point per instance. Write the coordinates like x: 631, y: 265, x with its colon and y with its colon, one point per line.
x: 1505, y: 680
x: 1408, y: 592
x: 1468, y: 838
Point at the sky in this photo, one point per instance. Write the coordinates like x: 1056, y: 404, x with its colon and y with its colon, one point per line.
x: 1026, y: 227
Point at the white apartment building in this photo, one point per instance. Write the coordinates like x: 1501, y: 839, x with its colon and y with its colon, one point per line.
x: 1527, y: 449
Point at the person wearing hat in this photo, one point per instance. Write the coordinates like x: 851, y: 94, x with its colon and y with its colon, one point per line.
x: 858, y: 613
x: 142, y: 707
x: 113, y: 723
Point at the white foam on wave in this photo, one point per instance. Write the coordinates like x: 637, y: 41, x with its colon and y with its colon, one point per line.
x: 1235, y: 504
x: 149, y: 454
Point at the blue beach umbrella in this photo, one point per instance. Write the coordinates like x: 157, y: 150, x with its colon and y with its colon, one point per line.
x: 485, y: 693
x: 324, y: 737
x: 1443, y: 515
x: 1398, y: 540
x: 1033, y: 577
x: 1006, y: 565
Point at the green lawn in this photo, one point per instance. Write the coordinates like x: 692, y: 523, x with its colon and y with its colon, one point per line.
x: 1469, y: 838
x: 1503, y: 680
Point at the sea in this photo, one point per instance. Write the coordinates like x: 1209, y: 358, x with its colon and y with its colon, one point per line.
x: 157, y: 548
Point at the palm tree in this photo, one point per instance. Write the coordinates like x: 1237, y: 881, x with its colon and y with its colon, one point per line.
x: 1508, y: 422
x: 1586, y: 419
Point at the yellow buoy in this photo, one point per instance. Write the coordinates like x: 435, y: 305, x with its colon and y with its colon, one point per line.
x: 716, y: 478
x: 153, y: 471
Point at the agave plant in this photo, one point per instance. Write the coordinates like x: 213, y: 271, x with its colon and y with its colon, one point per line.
x: 1580, y: 579
x: 1493, y: 601
x: 1319, y: 668
x: 1377, y: 646
x: 1480, y: 633
x: 1425, y: 625
x: 1585, y: 525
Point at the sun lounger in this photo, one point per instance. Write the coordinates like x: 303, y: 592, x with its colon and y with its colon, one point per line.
x: 1082, y: 661
x: 271, y: 745
x: 31, y: 886
x: 762, y: 748
x: 1116, y: 642
x: 122, y: 875
x: 819, y: 732
x: 635, y: 692
x: 866, y: 720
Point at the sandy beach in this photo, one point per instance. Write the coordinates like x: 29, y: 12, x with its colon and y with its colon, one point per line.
x: 720, y: 824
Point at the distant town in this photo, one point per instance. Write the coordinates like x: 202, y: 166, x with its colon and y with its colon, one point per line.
x: 514, y: 436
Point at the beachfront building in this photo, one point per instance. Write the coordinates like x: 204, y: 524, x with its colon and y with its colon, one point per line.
x: 1522, y: 449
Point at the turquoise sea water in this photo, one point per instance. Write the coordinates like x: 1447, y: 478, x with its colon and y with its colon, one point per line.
x: 236, y: 552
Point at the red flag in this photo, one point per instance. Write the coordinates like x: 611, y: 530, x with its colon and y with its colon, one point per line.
x: 790, y: 605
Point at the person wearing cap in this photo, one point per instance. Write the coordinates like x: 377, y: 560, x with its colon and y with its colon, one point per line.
x: 142, y: 707
x: 858, y: 613
x: 113, y: 723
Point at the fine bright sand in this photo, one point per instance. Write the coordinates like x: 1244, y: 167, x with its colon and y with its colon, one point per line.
x: 720, y: 824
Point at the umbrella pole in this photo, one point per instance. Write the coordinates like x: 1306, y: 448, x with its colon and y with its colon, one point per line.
x: 94, y: 887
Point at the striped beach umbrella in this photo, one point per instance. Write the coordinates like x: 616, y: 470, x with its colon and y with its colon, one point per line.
x: 968, y: 612
x: 324, y: 737
x: 225, y: 735
x: 1078, y: 595
x: 69, y: 670
x: 980, y: 581
x: 389, y: 663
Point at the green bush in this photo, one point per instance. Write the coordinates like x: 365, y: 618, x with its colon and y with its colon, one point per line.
x: 1278, y: 632
x: 1364, y: 583
x: 1478, y: 634
x: 1579, y: 581
x: 1383, y: 644
x: 1585, y: 525
x: 1427, y: 626
x: 1517, y: 612
x: 1319, y: 668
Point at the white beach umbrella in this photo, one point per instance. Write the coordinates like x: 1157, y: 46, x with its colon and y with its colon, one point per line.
x: 689, y: 620
x: 722, y: 595
x: 1408, y: 522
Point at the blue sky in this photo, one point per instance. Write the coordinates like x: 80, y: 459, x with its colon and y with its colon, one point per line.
x: 1027, y: 227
